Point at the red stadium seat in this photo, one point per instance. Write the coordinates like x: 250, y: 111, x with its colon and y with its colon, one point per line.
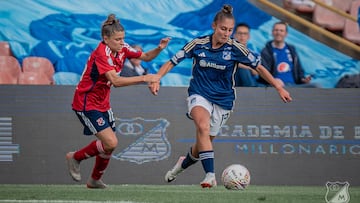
x: 6, y: 78
x: 5, y: 49
x: 38, y: 64
x: 351, y: 29
x: 329, y: 19
x: 347, y: 5
x: 33, y: 78
x: 10, y: 66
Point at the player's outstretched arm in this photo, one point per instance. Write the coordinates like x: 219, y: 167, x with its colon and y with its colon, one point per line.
x: 150, y: 55
x: 119, y: 81
x: 264, y: 73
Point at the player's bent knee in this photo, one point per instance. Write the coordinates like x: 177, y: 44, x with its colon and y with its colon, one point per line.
x: 110, y: 145
x: 204, y: 128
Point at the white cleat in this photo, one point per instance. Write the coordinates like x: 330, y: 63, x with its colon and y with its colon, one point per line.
x: 171, y: 175
x: 209, y: 181
x: 95, y: 184
x: 73, y: 166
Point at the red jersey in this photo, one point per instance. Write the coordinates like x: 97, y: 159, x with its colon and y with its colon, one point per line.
x: 93, y: 90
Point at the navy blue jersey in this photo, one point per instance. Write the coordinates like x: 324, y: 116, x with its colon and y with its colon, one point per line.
x: 213, y: 69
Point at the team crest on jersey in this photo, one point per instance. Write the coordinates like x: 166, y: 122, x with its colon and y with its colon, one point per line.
x: 146, y: 140
x: 226, y: 55
x: 100, y: 121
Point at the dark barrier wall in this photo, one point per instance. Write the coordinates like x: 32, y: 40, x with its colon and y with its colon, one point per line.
x: 310, y: 141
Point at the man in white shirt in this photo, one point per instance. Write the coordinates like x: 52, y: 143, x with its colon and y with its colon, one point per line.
x: 133, y: 67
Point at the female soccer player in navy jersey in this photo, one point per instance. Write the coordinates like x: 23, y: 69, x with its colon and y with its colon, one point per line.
x: 91, y: 101
x: 211, y: 91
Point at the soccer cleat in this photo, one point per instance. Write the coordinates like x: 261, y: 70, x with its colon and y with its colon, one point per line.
x: 171, y: 175
x: 73, y: 166
x: 209, y: 181
x: 95, y: 184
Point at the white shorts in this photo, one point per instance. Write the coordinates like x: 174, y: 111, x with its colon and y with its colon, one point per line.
x: 218, y: 115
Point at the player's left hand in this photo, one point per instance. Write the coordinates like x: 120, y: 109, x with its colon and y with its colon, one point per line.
x: 284, y: 95
x: 154, y: 87
x: 164, y: 42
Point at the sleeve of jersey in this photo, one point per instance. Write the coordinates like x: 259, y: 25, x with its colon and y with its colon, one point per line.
x: 247, y: 57
x: 104, y: 64
x: 185, y: 52
x: 132, y: 53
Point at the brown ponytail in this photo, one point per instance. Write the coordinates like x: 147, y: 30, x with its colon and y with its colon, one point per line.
x: 225, y: 12
x: 110, y: 26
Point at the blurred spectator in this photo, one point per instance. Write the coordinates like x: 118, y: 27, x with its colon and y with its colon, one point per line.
x: 282, y: 61
x: 349, y: 81
x: 133, y: 66
x: 244, y: 76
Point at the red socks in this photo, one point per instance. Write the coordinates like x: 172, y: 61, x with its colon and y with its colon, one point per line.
x: 95, y: 148
x: 101, y: 163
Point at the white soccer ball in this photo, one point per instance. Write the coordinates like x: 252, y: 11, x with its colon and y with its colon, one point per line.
x: 235, y: 177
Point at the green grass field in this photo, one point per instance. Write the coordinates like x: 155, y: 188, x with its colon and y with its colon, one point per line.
x: 163, y: 193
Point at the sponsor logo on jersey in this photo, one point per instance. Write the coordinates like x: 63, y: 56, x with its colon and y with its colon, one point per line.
x: 202, y: 54
x: 283, y: 67
x: 205, y: 64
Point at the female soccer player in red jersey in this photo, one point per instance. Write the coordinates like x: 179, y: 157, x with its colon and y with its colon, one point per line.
x: 91, y: 101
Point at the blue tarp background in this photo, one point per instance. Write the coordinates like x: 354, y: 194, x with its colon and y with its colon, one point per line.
x: 67, y: 31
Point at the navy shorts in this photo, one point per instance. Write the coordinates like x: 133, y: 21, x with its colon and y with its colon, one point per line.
x: 96, y: 121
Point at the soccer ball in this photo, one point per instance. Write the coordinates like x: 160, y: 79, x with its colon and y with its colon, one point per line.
x: 235, y: 177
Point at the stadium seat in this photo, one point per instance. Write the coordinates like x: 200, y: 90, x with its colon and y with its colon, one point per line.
x: 351, y: 30
x: 33, y: 78
x: 5, y: 49
x: 66, y: 78
x: 10, y: 66
x: 38, y: 64
x: 347, y: 5
x: 304, y: 6
x: 329, y: 19
x: 6, y: 78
